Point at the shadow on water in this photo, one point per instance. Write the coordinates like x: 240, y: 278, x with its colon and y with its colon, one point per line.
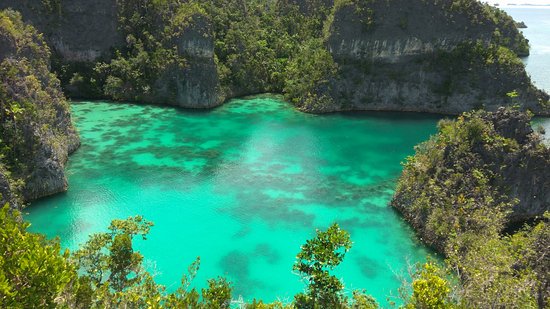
x: 259, y: 176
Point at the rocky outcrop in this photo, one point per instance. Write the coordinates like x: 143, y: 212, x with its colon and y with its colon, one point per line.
x: 432, y: 56
x: 524, y: 174
x: 521, y: 25
x: 76, y: 31
x: 484, y: 165
x: 197, y: 85
x: 37, y: 132
x: 443, y: 56
x: 81, y: 33
x: 7, y: 190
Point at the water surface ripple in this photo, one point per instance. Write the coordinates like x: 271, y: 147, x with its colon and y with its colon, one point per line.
x: 242, y: 186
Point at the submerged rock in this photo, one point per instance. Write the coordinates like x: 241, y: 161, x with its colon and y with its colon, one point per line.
x: 37, y: 132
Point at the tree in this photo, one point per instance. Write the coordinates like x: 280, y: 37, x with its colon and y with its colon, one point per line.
x: 318, y: 256
x: 363, y: 301
x: 429, y: 289
x: 183, y: 297
x: 33, y: 272
x: 112, y: 253
x: 218, y: 294
x: 123, y: 260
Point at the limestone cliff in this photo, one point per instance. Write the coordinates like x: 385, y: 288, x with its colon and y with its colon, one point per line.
x: 35, y: 122
x: 483, y: 165
x: 444, y: 56
x: 197, y: 85
x: 77, y: 31
x: 425, y: 55
x: 83, y: 34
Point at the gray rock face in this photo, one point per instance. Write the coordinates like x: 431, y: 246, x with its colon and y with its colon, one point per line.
x: 7, y: 190
x: 83, y: 31
x: 35, y: 120
x: 402, y: 28
x: 526, y: 173
x: 78, y: 30
x: 392, y: 55
x: 501, y: 146
x: 402, y: 57
x: 197, y: 85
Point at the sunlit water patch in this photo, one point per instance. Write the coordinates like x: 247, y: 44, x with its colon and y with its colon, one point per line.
x: 242, y: 186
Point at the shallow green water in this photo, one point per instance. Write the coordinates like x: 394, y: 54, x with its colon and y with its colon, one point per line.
x: 241, y: 186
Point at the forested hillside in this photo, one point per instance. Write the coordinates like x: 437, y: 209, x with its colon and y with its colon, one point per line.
x: 424, y: 55
x: 477, y: 192
x: 36, y: 133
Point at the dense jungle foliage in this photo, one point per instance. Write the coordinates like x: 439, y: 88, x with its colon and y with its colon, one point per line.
x: 259, y: 46
x: 458, y: 193
x: 34, y: 114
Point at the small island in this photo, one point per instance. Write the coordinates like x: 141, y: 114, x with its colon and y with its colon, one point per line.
x: 521, y: 25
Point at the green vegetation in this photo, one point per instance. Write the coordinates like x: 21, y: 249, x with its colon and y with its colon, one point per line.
x: 318, y: 256
x: 457, y: 193
x: 275, y: 46
x: 308, y: 74
x: 33, y: 272
x: 477, y: 61
x: 34, y: 115
x: 483, y: 14
x: 150, y: 28
x: 107, y: 273
x: 430, y: 289
x: 258, y: 48
x: 52, y: 6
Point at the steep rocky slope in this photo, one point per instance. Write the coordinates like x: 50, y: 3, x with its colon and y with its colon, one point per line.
x: 83, y: 35
x: 35, y: 122
x: 435, y: 56
x: 445, y: 56
x: 77, y: 31
x: 477, y: 192
x: 483, y: 165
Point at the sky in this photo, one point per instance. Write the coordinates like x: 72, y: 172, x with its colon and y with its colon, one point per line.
x: 504, y: 2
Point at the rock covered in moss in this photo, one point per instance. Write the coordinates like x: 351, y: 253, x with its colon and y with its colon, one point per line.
x: 479, y: 174
x: 426, y: 55
x: 444, y: 56
x: 37, y: 132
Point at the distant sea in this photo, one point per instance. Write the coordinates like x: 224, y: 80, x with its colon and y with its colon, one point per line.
x: 537, y: 19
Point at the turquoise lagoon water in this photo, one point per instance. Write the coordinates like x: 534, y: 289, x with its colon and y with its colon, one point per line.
x: 242, y: 186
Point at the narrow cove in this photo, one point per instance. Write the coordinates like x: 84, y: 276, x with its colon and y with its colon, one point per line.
x: 242, y: 186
